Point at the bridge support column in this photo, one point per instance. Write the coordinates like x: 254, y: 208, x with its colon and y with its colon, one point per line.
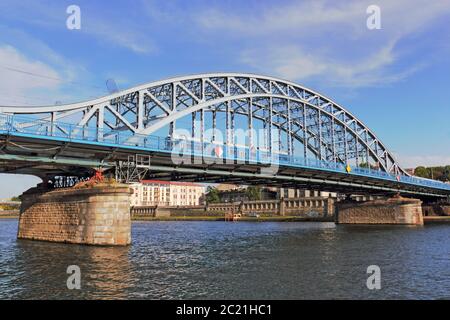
x: 396, y: 210
x: 436, y: 209
x: 328, y: 209
x: 95, y: 215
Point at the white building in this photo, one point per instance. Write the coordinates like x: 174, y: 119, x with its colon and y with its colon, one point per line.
x: 302, y: 193
x: 154, y: 192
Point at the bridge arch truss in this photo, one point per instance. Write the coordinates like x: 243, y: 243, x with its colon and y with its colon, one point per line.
x: 294, y: 120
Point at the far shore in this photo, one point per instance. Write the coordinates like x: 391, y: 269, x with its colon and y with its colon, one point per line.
x: 213, y: 218
x: 9, y: 214
x: 436, y: 219
x: 427, y: 219
x: 247, y: 219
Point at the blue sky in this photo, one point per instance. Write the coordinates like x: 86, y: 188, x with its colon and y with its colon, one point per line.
x: 395, y: 79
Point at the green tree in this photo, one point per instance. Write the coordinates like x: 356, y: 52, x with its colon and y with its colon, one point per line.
x: 421, y: 172
x: 212, y: 195
x: 363, y: 165
x: 447, y: 173
x: 441, y: 173
x: 253, y: 193
x: 368, y: 165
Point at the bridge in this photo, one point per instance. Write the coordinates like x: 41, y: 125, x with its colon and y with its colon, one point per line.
x: 221, y: 127
x: 265, y: 122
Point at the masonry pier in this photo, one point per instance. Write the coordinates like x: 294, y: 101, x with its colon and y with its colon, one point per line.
x: 93, y: 215
x: 436, y: 209
x: 396, y: 210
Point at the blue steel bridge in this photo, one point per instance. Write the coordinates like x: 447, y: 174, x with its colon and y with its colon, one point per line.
x: 214, y: 128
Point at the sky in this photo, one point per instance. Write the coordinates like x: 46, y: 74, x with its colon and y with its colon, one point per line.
x: 395, y: 79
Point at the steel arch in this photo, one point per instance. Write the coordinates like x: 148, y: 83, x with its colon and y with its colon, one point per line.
x: 321, y: 125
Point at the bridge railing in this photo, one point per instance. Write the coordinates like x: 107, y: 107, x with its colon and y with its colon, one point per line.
x: 38, y: 128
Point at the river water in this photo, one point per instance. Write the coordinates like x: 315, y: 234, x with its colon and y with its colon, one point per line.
x: 243, y: 260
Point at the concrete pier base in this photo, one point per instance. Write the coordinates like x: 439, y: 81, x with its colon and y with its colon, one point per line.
x: 395, y: 210
x: 94, y: 215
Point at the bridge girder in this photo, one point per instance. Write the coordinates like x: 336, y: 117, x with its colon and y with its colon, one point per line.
x: 286, y: 111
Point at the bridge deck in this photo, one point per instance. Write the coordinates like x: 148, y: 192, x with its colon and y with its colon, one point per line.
x: 37, y: 153
x: 292, y: 120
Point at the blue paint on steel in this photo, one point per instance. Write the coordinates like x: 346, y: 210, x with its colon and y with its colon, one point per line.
x: 63, y: 132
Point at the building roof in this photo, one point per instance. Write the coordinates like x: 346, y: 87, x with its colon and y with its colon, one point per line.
x: 174, y: 183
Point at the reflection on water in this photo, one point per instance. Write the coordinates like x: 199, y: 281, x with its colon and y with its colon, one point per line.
x: 219, y: 260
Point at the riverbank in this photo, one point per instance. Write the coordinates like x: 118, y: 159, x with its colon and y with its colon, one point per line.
x: 427, y: 219
x: 436, y: 219
x: 9, y: 214
x: 247, y: 219
x: 207, y: 260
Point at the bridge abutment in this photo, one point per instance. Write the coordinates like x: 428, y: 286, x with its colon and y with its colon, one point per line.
x: 92, y: 215
x: 436, y: 209
x: 396, y: 210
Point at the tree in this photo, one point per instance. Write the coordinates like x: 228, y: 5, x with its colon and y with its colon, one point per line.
x: 421, y: 172
x: 253, y: 193
x: 363, y: 165
x: 368, y: 165
x: 212, y: 195
x: 441, y: 173
x: 446, y: 176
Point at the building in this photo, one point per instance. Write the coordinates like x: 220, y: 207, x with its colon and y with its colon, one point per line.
x: 302, y: 193
x: 227, y: 187
x: 166, y: 193
x: 238, y: 195
x: 270, y: 193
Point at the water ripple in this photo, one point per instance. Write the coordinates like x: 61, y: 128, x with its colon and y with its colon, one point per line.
x: 219, y: 260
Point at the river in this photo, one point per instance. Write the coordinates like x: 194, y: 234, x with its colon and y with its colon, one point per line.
x: 241, y: 260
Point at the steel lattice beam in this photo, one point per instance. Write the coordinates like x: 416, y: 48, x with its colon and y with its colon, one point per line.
x: 321, y: 125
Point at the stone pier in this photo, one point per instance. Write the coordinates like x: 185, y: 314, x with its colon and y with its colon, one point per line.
x: 436, y: 209
x: 94, y: 215
x: 396, y: 210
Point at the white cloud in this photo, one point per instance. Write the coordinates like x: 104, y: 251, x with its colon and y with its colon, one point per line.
x: 31, y: 73
x: 110, y: 27
x: 326, y: 40
x: 413, y: 161
x: 124, y: 35
x: 293, y: 62
x: 20, y: 75
x: 304, y: 17
x: 313, y: 17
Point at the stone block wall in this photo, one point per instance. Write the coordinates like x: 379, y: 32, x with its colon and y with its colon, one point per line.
x: 98, y: 215
x: 391, y: 211
x: 320, y: 206
x: 286, y: 206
